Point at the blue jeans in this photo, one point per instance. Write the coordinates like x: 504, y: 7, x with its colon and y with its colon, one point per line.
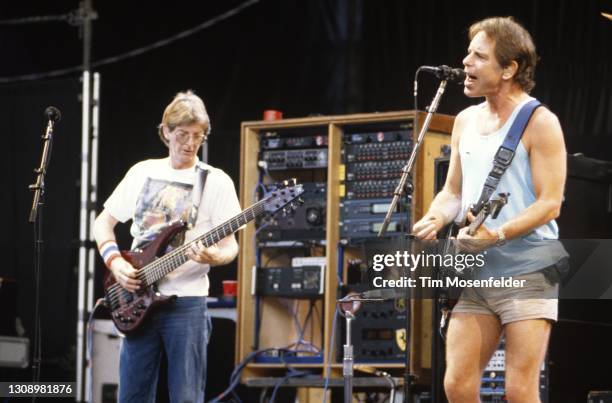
x: 181, y: 329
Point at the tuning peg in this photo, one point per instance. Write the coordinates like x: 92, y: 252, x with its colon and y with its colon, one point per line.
x: 285, y: 183
x: 293, y: 182
x: 299, y: 201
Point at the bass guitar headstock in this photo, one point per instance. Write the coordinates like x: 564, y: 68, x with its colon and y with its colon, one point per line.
x: 284, y: 196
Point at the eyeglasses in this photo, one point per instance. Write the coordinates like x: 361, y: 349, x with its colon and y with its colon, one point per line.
x: 183, y: 137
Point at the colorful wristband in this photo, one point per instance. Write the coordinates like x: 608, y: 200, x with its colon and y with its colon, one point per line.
x: 109, y: 251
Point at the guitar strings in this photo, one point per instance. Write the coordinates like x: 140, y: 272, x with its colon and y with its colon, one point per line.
x: 478, y: 217
x: 159, y: 266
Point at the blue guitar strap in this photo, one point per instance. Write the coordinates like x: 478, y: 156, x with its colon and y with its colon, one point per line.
x: 505, y: 152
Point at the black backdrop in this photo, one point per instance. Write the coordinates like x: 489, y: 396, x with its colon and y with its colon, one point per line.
x: 302, y: 57
x: 23, y: 126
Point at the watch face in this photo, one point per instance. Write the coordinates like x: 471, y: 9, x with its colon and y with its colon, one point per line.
x: 501, y: 237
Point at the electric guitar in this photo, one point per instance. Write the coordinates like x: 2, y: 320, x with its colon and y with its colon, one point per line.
x: 130, y: 310
x: 491, y: 208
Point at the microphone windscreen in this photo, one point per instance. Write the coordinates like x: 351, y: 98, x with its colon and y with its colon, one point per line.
x: 53, y: 114
x: 459, y: 74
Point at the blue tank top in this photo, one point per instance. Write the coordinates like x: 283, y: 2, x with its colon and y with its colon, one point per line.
x: 527, y: 254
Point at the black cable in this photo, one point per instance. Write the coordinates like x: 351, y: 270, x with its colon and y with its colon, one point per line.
x: 415, y: 100
x: 291, y: 374
x: 302, y: 329
x: 262, y: 395
x: 329, y: 355
x: 181, y: 35
x: 235, y: 375
x: 74, y: 18
x: 35, y: 20
x: 40, y: 76
x: 407, y: 374
x: 89, y: 344
x: 136, y: 52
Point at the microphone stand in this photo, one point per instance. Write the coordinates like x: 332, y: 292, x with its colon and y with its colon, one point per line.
x: 407, y: 170
x: 36, y: 217
x: 347, y: 360
x: 409, y: 377
x: 39, y: 186
x: 348, y: 307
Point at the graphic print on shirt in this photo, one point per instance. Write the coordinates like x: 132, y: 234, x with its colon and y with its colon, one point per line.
x: 160, y: 203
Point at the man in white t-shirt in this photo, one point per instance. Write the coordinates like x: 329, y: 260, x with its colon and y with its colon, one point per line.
x: 153, y: 194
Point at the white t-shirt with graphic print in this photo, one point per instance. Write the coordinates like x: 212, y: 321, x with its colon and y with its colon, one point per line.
x: 152, y: 194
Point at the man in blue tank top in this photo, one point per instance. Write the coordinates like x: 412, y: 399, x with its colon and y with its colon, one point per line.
x: 499, y: 66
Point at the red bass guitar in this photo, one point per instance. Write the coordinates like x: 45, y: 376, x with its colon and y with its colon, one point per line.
x: 130, y: 310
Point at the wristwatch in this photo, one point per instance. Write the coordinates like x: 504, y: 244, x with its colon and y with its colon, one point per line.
x: 501, y: 237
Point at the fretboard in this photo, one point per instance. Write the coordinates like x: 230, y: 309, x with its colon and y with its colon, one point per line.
x: 480, y: 218
x: 157, y: 269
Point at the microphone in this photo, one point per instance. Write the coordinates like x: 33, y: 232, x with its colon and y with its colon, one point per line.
x: 444, y: 72
x: 53, y: 114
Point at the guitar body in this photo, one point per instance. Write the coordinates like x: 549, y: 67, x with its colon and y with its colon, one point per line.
x: 129, y: 310
x: 445, y: 247
x: 448, y: 247
x: 447, y: 297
